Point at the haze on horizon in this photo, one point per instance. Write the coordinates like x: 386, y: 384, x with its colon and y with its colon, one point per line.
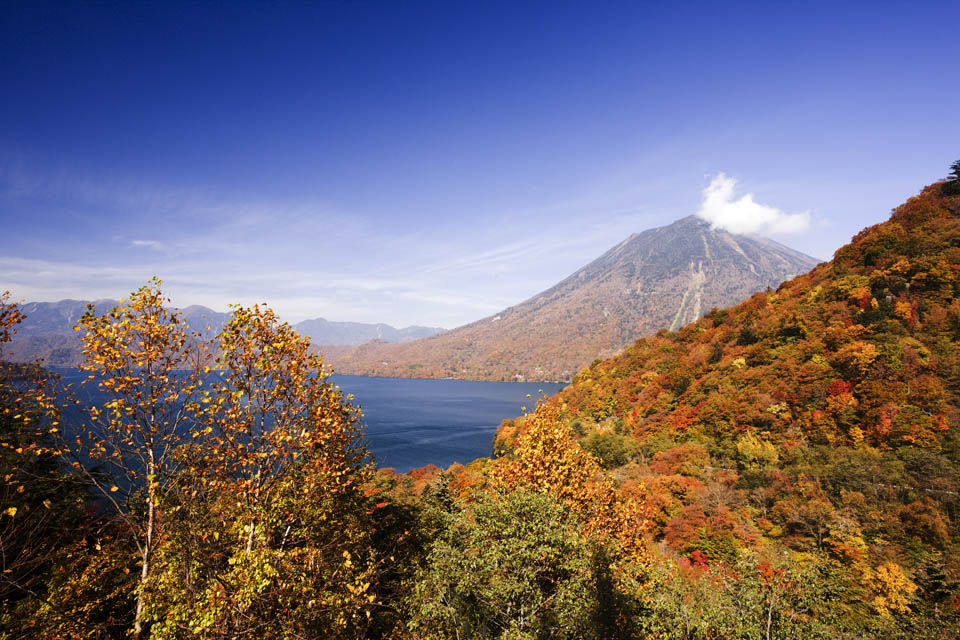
x: 429, y: 164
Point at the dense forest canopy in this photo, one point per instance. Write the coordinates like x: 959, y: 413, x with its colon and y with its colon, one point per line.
x: 785, y: 468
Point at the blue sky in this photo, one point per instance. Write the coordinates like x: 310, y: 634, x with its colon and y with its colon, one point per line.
x: 432, y: 163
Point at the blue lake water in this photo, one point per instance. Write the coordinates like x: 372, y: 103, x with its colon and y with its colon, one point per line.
x: 412, y: 423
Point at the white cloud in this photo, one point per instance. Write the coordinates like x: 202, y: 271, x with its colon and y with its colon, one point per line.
x: 156, y: 245
x: 744, y: 215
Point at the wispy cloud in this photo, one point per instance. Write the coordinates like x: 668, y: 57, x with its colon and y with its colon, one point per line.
x: 33, y: 279
x: 156, y: 245
x: 720, y: 207
x: 305, y: 258
x: 488, y: 259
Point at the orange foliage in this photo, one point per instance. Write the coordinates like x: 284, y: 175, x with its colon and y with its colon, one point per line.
x: 547, y: 459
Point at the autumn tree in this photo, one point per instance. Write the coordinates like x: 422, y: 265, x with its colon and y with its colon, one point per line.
x: 42, y: 513
x: 891, y: 588
x: 24, y: 508
x: 10, y: 316
x: 146, y: 367
x: 18, y: 548
x: 273, y: 536
x: 546, y: 458
x: 275, y: 404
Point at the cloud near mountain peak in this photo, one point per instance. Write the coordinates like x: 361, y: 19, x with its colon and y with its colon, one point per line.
x: 723, y: 210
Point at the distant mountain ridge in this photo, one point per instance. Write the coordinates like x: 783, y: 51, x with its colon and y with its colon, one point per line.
x: 662, y: 278
x: 47, y: 332
x: 323, y: 332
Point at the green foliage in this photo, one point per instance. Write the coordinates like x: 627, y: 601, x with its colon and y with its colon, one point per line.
x: 514, y: 566
x: 611, y: 449
x: 752, y: 599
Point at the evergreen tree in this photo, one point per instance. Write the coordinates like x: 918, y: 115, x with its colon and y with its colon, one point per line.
x: 952, y: 186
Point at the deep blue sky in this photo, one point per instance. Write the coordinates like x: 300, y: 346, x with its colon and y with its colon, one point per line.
x: 431, y: 163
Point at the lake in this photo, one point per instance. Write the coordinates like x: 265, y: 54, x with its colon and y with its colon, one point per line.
x: 411, y: 422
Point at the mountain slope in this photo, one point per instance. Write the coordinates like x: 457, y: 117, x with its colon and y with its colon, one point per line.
x: 47, y: 332
x: 661, y: 278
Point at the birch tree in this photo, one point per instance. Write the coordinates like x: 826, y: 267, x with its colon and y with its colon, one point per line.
x: 147, y: 369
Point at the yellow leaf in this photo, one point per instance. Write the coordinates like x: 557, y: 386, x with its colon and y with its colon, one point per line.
x: 11, y: 511
x: 114, y: 488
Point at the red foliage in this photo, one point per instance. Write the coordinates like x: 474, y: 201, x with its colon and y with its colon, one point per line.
x: 687, y: 459
x: 839, y: 386
x: 427, y: 473
x: 685, y: 527
x: 699, y: 559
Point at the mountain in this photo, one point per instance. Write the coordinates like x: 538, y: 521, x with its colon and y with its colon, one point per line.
x: 815, y: 428
x: 47, y: 332
x: 661, y: 278
x: 324, y: 332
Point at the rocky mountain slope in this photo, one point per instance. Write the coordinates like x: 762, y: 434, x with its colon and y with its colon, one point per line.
x: 661, y: 278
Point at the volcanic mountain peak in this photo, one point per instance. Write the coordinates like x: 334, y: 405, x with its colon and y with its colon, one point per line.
x: 660, y: 278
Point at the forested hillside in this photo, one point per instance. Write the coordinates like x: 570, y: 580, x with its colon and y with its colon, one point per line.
x: 815, y: 428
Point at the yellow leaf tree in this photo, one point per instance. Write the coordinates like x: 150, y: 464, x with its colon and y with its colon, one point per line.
x: 39, y: 512
x: 275, y: 404
x: 273, y: 536
x: 892, y: 589
x: 547, y: 459
x: 146, y: 366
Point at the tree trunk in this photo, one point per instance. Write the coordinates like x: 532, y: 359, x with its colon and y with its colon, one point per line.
x: 147, y: 550
x: 250, y: 536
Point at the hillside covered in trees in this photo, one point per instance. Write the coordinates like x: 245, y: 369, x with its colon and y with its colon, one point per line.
x: 816, y: 426
x: 786, y: 468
